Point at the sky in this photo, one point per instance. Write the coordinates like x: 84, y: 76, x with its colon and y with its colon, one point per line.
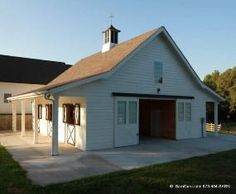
x: 68, y: 30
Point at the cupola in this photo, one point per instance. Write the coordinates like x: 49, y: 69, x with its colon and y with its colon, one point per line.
x: 110, y: 38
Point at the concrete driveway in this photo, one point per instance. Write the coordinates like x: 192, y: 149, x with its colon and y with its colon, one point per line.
x: 44, y: 169
x: 156, y: 151
x: 72, y: 163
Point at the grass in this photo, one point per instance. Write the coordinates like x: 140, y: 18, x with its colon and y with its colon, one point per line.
x: 12, y: 176
x: 217, y: 168
x: 228, y: 128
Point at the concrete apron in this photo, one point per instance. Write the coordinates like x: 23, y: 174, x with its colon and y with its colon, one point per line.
x: 44, y: 169
x: 157, y: 151
x: 72, y: 163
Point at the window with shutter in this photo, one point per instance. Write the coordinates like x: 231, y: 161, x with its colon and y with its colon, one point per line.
x: 6, y: 95
x: 71, y: 114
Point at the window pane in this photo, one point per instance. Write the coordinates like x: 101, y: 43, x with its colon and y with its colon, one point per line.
x: 187, y: 111
x: 6, y: 95
x: 121, y: 112
x: 180, y: 111
x: 132, y: 112
x: 158, y: 71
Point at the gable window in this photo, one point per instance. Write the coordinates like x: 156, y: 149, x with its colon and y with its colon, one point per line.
x: 40, y: 111
x: 121, y: 112
x: 180, y: 111
x: 132, y: 112
x: 187, y: 112
x: 158, y: 72
x: 48, y: 112
x: 6, y: 95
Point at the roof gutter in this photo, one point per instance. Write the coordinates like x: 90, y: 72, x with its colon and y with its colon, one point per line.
x: 27, y: 96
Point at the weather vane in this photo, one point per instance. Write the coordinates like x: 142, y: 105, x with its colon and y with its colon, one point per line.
x: 111, y: 17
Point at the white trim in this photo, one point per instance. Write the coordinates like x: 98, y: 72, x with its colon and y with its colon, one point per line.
x: 26, y: 96
x: 14, y: 117
x: 55, y: 145
x: 22, y: 118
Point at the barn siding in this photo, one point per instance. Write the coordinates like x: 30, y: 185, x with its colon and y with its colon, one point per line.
x: 136, y: 76
x: 15, y: 89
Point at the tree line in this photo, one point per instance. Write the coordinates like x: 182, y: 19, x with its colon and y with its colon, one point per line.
x: 225, y: 85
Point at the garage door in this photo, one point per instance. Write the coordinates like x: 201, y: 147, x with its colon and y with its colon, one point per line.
x: 126, y: 121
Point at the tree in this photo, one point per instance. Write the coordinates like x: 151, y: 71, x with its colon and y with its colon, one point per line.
x: 224, y: 84
x: 211, y: 79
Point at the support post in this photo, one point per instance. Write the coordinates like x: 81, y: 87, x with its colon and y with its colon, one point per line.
x: 203, y: 123
x: 216, y: 117
x: 55, y: 150
x: 35, y: 121
x: 13, y: 107
x: 22, y: 118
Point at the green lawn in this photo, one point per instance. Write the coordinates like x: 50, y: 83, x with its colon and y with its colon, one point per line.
x: 229, y: 128
x: 217, y: 168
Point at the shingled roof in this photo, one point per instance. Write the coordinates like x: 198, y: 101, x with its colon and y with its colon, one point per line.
x: 100, y: 62
x: 26, y: 70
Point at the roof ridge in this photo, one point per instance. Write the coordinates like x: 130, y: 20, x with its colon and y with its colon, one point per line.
x: 99, y: 62
x: 29, y: 58
x: 123, y: 42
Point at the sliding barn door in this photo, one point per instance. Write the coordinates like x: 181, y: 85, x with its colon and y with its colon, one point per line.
x: 126, y: 121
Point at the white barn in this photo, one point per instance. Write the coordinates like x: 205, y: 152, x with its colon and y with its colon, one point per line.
x: 143, y: 87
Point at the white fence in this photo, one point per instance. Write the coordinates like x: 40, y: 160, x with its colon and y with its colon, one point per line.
x: 211, y: 127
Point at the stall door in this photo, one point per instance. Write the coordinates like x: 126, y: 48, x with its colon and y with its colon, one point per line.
x: 126, y: 121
